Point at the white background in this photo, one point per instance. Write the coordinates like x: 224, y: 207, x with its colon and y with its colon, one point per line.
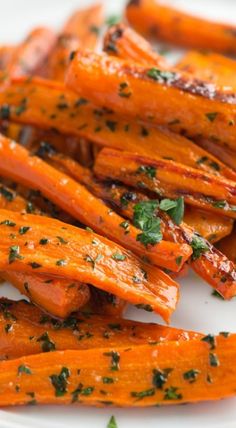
x: 197, y: 308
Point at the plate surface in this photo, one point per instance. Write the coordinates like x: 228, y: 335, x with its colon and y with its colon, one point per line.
x: 197, y: 310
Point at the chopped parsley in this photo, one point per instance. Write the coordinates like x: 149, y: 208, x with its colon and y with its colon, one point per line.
x: 145, y: 219
x: 149, y: 171
x: 191, y: 375
x: 93, y: 262
x: 119, y: 257
x: 214, y: 362
x: 161, y: 76
x: 8, y: 223
x: 61, y: 262
x: 160, y: 377
x: 44, y: 241
x: 124, y: 90
x: 23, y: 230
x: 215, y: 293
x: 23, y: 369
x: 14, y: 254
x: 172, y: 393
x: 211, y: 116
x: 46, y: 343
x: 7, y: 194
x: 210, y: 339
x: 60, y: 382
x: 115, y: 359
x: 174, y: 208
x: 199, y: 247
x: 112, y: 423
x: 112, y: 20
x: 142, y: 394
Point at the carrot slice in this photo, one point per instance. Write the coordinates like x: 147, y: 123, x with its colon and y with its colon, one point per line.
x: 25, y: 330
x: 58, y: 249
x: 228, y: 246
x: 167, y: 373
x: 155, y: 20
x: 188, y: 104
x: 32, y: 52
x: 120, y: 40
x: 70, y: 115
x: 169, y: 179
x: 82, y: 205
x: 214, y: 68
x: 81, y: 29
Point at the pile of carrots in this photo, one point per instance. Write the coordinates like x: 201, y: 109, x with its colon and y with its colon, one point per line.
x: 118, y: 174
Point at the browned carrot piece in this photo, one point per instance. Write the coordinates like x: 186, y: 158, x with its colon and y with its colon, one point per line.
x: 80, y: 30
x: 221, y: 151
x: 6, y: 53
x: 228, y: 246
x: 32, y: 52
x: 83, y: 256
x: 120, y: 40
x: 214, y: 68
x: 82, y: 205
x: 25, y: 330
x: 155, y: 20
x: 166, y: 373
x: 104, y: 303
x: 78, y: 117
x: 188, y: 104
x: 210, y: 225
x: 169, y: 179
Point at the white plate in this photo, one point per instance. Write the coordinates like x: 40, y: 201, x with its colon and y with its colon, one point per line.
x: 197, y: 310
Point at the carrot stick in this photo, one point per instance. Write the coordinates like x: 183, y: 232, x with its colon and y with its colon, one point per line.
x: 65, y: 112
x: 167, y: 373
x: 6, y: 54
x: 81, y: 29
x: 103, y: 303
x: 211, y: 265
x: 228, y: 246
x: 82, y: 205
x: 192, y: 105
x: 30, y: 54
x: 161, y: 22
x: 169, y: 179
x: 214, y: 68
x: 221, y: 151
x: 120, y: 40
x: 25, y: 330
x: 83, y: 256
x: 209, y: 225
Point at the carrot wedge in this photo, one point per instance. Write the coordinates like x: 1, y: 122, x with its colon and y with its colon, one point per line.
x: 83, y: 256
x: 25, y: 330
x: 120, y: 40
x: 167, y: 373
x: 221, y: 151
x: 31, y: 54
x: 228, y: 246
x: 70, y: 115
x: 194, y: 106
x: 81, y: 29
x: 169, y: 179
x: 214, y: 68
x: 155, y: 20
x: 74, y: 198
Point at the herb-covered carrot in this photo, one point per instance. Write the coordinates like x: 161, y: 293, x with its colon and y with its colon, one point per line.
x: 166, y: 373
x: 17, y: 163
x: 120, y: 40
x: 169, y: 178
x: 57, y: 249
x: 228, y: 246
x: 48, y: 105
x: 82, y: 29
x: 195, y: 106
x: 31, y: 54
x: 162, y: 22
x: 25, y: 330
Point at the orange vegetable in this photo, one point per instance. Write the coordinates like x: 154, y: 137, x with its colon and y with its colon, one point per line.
x: 80, y: 30
x: 6, y: 53
x: 120, y: 40
x: 169, y: 179
x: 155, y: 20
x: 30, y: 54
x: 58, y: 249
x: 166, y: 373
x: 189, y: 105
x: 221, y: 151
x: 214, y: 68
x: 228, y: 246
x: 25, y: 330
x: 104, y: 303
x: 81, y: 119
x: 18, y: 164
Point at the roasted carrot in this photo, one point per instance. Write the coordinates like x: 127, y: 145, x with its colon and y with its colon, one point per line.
x: 171, y: 179
x: 82, y: 205
x: 25, y: 330
x: 58, y: 249
x: 104, y: 303
x: 190, y: 105
x: 29, y: 55
x: 221, y: 151
x: 155, y: 20
x: 167, y: 373
x: 228, y: 246
x: 214, y: 68
x: 70, y: 115
x: 120, y: 40
x: 81, y: 29
x: 6, y: 54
